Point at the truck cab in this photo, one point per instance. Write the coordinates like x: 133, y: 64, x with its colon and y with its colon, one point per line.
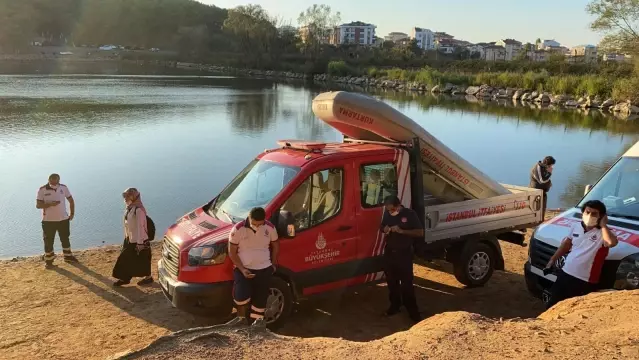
x: 325, y: 199
x: 618, y: 189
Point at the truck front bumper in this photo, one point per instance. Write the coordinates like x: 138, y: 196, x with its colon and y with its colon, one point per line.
x: 214, y: 299
x: 536, y: 281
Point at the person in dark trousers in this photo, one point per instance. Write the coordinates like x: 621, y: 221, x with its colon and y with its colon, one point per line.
x: 254, y: 250
x: 587, y: 246
x: 51, y: 199
x: 135, y: 258
x: 401, y: 226
x: 540, y: 178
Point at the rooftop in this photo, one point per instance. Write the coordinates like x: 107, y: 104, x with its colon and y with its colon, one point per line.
x: 357, y: 23
x: 511, y: 42
x: 418, y: 29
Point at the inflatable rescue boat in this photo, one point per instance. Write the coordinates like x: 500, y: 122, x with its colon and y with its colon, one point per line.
x: 446, y: 176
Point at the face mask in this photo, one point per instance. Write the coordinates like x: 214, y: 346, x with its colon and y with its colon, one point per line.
x: 53, y: 186
x: 589, y: 220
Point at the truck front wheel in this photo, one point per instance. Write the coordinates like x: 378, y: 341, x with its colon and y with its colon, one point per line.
x: 279, y: 304
x: 475, y: 264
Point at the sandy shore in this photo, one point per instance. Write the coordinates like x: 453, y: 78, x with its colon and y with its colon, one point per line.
x: 73, y: 312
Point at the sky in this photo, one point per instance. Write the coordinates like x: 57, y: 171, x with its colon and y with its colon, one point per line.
x: 565, y: 21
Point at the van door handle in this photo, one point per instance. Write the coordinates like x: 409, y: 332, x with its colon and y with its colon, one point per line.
x: 344, y: 228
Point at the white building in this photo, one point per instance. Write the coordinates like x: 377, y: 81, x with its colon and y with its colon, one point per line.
x: 494, y: 53
x: 616, y: 57
x: 357, y: 32
x: 548, y: 44
x: 478, y: 49
x: 424, y: 37
x: 512, y: 47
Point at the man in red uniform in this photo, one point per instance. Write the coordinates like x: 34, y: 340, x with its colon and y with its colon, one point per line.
x: 401, y: 226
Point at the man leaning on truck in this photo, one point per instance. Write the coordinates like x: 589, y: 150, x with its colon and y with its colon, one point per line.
x: 401, y: 226
x: 540, y: 178
x: 253, y: 248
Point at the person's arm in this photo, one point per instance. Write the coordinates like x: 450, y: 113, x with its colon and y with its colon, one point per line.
x: 415, y: 228
x: 541, y: 175
x: 134, y: 227
x: 563, y: 249
x: 384, y: 225
x: 71, y: 202
x: 609, y: 238
x: 275, y: 247
x: 234, y: 245
x: 40, y: 204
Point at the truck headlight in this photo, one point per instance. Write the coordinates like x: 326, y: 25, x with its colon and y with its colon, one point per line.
x: 628, y: 273
x: 213, y: 254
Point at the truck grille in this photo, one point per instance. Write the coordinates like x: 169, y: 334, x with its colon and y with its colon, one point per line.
x: 170, y: 256
x: 540, y: 253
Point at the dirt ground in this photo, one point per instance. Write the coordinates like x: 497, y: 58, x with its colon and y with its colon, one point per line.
x: 72, y: 312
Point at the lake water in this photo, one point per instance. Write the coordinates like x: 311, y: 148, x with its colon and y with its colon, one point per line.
x: 181, y: 139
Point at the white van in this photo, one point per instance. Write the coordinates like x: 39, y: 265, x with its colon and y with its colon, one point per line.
x: 618, y: 189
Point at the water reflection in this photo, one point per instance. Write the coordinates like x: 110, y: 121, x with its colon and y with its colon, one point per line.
x: 181, y: 139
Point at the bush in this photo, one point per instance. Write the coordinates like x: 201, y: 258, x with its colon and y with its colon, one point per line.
x: 626, y: 89
x: 338, y: 68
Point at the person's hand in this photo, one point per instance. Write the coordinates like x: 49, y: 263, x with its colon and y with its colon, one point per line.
x: 247, y: 274
x: 386, y: 229
x: 71, y: 217
x: 274, y: 267
x: 396, y: 229
x: 139, y: 247
x: 604, y: 221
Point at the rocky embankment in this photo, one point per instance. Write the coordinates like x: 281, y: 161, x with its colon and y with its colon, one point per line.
x: 483, y: 92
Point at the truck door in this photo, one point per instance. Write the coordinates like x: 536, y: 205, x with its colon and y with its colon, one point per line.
x: 378, y: 178
x: 325, y: 241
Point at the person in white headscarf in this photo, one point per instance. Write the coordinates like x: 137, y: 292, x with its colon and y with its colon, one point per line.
x: 135, y: 257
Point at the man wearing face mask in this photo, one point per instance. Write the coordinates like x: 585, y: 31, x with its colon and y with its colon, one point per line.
x: 401, y: 226
x: 51, y: 199
x: 587, y: 246
x: 253, y: 249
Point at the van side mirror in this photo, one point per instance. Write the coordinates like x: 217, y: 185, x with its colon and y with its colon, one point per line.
x: 285, y: 224
x: 587, y: 189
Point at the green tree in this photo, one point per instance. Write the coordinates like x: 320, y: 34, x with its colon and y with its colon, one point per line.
x: 254, y: 30
x: 619, y: 21
x: 318, y: 23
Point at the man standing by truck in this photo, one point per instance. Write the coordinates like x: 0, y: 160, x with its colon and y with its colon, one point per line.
x: 540, y: 178
x: 253, y: 248
x: 401, y: 226
x: 587, y: 246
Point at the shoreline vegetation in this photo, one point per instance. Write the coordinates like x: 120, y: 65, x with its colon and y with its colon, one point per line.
x: 568, y: 91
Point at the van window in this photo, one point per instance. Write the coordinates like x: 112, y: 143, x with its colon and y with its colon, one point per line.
x: 619, y: 189
x: 317, y: 199
x: 255, y: 186
x: 377, y: 182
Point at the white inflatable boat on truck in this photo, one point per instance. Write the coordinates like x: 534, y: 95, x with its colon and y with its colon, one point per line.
x: 464, y: 211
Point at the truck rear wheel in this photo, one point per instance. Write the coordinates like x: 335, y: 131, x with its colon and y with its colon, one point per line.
x: 279, y: 304
x: 475, y: 264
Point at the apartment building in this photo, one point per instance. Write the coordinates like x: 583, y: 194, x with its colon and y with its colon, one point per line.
x: 512, y: 47
x: 548, y: 44
x: 396, y: 37
x: 356, y: 32
x: 494, y: 53
x: 585, y: 53
x: 424, y: 37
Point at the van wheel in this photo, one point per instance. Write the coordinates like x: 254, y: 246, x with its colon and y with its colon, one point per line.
x: 475, y: 264
x: 279, y: 304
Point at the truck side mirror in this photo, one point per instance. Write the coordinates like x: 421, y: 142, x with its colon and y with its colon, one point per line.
x: 285, y: 224
x: 587, y: 190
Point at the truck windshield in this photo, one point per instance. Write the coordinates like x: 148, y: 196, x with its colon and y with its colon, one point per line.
x: 619, y: 189
x: 256, y: 185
